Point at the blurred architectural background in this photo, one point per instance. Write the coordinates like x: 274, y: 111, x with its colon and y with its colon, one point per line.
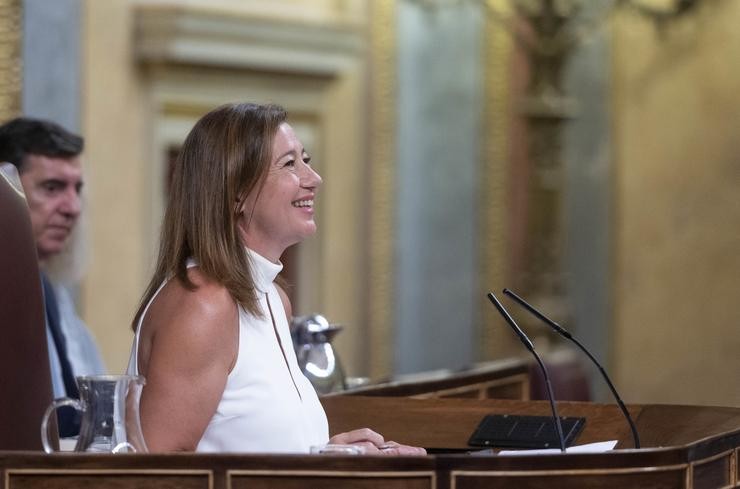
x: 610, y: 194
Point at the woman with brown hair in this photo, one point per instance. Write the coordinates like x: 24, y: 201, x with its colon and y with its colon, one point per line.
x: 212, y: 335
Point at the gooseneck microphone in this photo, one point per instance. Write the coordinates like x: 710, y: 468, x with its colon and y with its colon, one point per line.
x: 567, y: 335
x: 527, y: 343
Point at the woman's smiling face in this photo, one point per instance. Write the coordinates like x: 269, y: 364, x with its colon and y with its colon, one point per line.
x: 281, y: 213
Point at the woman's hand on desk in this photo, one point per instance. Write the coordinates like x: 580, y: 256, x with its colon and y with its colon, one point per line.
x: 374, y: 444
x: 394, y: 448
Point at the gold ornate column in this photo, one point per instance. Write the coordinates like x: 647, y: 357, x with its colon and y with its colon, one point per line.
x: 11, y: 62
x: 494, y: 177
x: 381, y: 174
x: 545, y: 33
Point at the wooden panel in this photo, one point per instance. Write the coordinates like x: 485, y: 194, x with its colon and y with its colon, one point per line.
x: 114, y: 479
x: 516, y: 390
x: 712, y: 473
x: 512, y: 387
x: 648, y: 478
x: 286, y: 479
x: 674, y: 425
x: 503, y: 379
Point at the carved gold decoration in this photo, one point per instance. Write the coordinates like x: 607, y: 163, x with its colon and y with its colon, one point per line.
x: 382, y: 188
x: 548, y: 32
x: 11, y: 62
x: 661, y: 11
x: 494, y: 174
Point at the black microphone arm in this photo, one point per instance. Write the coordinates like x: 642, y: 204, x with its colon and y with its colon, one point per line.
x: 567, y: 335
x: 527, y: 343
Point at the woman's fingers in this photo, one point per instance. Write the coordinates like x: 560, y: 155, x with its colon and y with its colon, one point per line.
x: 393, y: 448
x: 367, y: 447
x: 373, y: 443
x: 356, y: 436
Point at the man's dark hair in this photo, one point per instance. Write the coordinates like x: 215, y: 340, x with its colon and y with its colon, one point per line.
x: 23, y: 136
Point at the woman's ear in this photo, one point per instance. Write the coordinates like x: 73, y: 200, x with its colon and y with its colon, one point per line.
x: 240, y: 205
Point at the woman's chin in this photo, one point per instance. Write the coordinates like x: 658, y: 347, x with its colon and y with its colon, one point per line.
x: 310, y: 229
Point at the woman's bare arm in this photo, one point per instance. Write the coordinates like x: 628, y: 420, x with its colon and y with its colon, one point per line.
x: 189, y: 345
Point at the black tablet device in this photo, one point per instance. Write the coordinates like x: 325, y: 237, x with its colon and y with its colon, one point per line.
x: 516, y: 431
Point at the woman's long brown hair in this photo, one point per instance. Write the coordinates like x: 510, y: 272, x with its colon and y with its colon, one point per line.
x: 224, y: 158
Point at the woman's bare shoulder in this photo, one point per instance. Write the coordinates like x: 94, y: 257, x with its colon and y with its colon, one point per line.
x: 202, y: 321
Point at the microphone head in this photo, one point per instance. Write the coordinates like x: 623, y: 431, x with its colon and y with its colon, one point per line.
x: 510, y: 321
x: 539, y: 315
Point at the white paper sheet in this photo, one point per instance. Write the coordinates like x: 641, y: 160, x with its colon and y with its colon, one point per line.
x: 598, y: 447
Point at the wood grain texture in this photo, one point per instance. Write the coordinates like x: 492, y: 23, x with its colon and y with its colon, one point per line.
x: 686, y: 447
x: 505, y: 379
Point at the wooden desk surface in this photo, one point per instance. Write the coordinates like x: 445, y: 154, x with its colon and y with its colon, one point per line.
x: 448, y: 423
x: 688, y: 447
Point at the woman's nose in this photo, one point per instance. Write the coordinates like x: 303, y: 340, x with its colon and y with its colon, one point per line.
x: 311, y: 177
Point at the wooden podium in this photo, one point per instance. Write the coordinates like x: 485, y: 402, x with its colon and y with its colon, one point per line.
x: 500, y: 379
x: 685, y: 447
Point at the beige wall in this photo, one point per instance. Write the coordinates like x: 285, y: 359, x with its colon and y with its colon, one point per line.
x: 115, y: 125
x: 676, y: 139
x: 676, y: 185
x: 147, y: 81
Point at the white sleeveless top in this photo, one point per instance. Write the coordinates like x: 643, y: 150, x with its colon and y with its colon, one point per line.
x: 261, y: 409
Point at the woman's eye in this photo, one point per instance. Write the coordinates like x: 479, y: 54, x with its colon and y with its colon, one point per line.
x: 289, y: 163
x: 307, y: 160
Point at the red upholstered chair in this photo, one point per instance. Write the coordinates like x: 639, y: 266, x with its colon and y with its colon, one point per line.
x: 25, y: 383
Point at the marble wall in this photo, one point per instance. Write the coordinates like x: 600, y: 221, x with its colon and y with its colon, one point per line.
x: 52, y: 61
x: 439, y: 149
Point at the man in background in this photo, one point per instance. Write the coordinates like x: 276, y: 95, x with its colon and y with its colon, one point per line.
x: 47, y: 157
